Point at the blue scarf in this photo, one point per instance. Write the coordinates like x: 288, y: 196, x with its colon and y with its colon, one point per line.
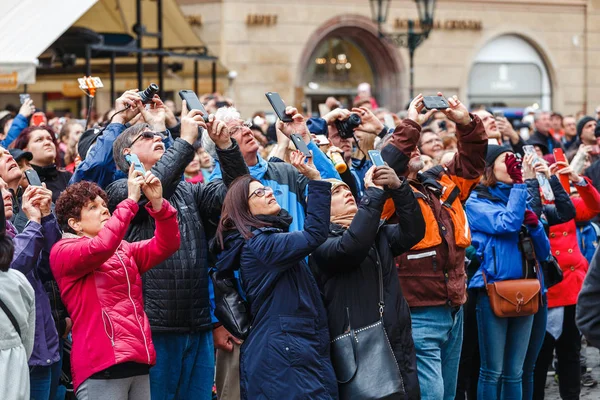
x: 257, y: 171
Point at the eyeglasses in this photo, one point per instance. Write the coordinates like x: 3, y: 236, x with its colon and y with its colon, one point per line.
x: 234, y: 129
x: 147, y: 135
x: 261, y: 192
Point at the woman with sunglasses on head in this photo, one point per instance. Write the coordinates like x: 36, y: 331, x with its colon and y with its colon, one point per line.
x: 286, y: 354
x: 99, y: 275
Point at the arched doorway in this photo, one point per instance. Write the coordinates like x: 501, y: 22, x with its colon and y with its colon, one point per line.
x: 344, y: 52
x: 509, y: 72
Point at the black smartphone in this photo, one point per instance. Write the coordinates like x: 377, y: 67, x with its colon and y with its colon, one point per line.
x: 33, y: 178
x: 437, y: 102
x: 193, y: 102
x: 300, y: 145
x: 278, y: 106
x: 376, y: 158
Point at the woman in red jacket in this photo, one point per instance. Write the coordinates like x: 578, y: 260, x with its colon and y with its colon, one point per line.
x: 561, y: 331
x: 99, y: 276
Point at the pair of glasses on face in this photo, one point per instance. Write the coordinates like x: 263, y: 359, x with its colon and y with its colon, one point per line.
x: 147, y: 135
x: 261, y: 192
x: 235, y: 129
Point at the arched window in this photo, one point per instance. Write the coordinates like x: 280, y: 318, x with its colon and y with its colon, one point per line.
x: 509, y: 72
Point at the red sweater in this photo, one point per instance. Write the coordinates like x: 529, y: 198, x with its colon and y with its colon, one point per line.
x: 564, y: 246
x: 101, y: 285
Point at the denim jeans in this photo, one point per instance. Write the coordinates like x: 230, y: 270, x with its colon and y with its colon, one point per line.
x: 503, y: 345
x: 185, y: 366
x: 56, y: 371
x: 538, y: 332
x: 437, y: 334
x: 39, y: 381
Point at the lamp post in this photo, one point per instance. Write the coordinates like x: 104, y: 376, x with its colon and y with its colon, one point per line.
x: 411, y: 39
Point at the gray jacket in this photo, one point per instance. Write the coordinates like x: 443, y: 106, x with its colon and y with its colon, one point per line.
x: 588, y: 313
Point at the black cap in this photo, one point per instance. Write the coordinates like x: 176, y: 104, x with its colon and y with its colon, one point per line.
x: 87, y: 139
x: 19, y: 154
x: 581, y: 123
x: 493, y: 152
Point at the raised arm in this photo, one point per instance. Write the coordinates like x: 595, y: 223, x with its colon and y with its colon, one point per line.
x: 496, y: 219
x: 283, y: 249
x: 352, y: 247
x: 410, y: 228
x: 19, y: 123
x: 76, y: 258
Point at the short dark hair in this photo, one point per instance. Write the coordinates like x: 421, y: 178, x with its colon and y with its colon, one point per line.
x: 124, y: 141
x: 73, y: 199
x: 236, y: 213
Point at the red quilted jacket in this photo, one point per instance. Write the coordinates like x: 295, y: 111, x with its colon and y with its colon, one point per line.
x: 101, y: 285
x: 564, y: 246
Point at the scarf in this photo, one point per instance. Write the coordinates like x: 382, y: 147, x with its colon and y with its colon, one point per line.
x: 281, y: 221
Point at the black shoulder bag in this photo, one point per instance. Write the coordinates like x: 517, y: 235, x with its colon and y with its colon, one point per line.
x: 11, y: 317
x: 363, y: 360
x: 230, y: 307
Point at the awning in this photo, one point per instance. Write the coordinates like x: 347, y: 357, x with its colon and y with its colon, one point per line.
x: 28, y: 27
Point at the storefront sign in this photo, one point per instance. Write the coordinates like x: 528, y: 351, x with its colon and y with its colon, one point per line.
x: 261, y: 19
x: 9, y: 81
x: 449, y: 24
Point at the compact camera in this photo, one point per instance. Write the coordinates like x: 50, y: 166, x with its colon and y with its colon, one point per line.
x: 346, y: 127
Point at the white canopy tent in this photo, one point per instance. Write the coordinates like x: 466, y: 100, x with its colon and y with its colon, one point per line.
x: 27, y: 29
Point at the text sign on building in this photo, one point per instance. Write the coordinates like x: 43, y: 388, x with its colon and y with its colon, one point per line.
x: 449, y: 24
x: 261, y: 19
x: 511, y: 79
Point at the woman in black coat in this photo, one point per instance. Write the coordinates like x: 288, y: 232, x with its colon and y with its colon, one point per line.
x: 345, y: 266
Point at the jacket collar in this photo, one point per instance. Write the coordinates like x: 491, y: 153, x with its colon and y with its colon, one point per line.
x: 46, y: 173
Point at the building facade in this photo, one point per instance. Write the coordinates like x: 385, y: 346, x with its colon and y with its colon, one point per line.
x: 514, y: 53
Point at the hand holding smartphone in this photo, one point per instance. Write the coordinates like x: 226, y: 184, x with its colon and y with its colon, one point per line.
x: 33, y: 178
x: 193, y: 102
x: 437, y: 102
x: 376, y: 158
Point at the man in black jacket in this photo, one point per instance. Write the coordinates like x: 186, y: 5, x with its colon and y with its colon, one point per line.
x: 542, y: 134
x: 176, y: 291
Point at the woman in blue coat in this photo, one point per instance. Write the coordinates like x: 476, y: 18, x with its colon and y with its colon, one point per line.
x: 286, y: 355
x: 497, y: 210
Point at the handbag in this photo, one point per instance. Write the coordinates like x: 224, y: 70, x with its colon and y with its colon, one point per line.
x: 517, y: 297
x: 231, y: 309
x: 553, y: 274
x: 11, y: 317
x: 363, y: 360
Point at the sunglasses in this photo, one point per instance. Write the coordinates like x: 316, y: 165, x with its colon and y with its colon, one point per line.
x: 261, y: 192
x: 147, y: 135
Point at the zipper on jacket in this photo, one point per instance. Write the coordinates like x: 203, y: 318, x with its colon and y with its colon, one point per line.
x: 110, y: 335
x: 135, y: 314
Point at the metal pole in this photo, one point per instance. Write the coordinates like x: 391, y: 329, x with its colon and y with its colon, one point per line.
x: 214, y: 76
x: 196, y: 76
x: 113, y: 72
x: 160, y: 47
x: 411, y: 52
x: 88, y: 61
x: 140, y: 60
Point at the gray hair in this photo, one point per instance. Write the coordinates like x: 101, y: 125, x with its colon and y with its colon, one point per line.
x: 225, y: 114
x: 124, y: 141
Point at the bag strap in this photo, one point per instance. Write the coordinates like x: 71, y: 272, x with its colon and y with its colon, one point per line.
x: 11, y: 317
x: 380, y: 272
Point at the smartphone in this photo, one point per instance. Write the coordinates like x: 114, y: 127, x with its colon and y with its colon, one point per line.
x: 300, y: 145
x: 376, y: 158
x: 499, y: 114
x: 24, y: 97
x: 278, y: 106
x: 131, y: 158
x: 322, y: 140
x: 38, y: 119
x: 32, y: 177
x: 193, y: 102
x: 559, y: 156
x: 437, y: 102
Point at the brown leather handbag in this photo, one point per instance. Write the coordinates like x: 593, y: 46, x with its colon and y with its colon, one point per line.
x: 514, y: 298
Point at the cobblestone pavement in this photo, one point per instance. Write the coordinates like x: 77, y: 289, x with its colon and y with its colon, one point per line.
x: 593, y: 361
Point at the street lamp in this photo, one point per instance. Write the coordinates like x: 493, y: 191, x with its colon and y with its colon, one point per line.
x: 411, y: 39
